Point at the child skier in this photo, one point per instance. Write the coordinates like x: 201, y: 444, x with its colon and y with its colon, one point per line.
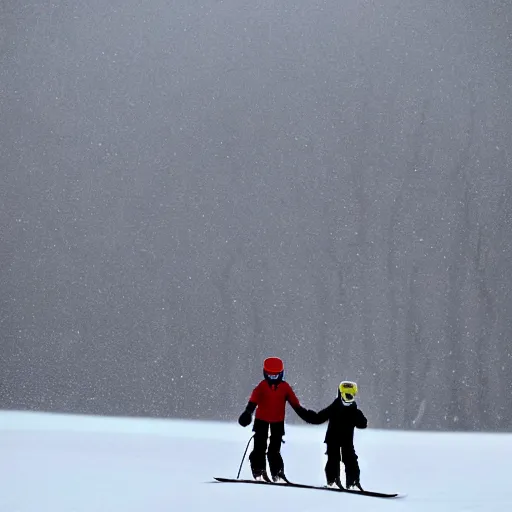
x: 269, y: 399
x: 343, y: 416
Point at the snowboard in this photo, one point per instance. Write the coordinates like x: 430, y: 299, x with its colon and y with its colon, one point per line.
x: 373, y: 494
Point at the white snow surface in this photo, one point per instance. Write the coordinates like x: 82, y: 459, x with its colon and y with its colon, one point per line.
x: 64, y: 463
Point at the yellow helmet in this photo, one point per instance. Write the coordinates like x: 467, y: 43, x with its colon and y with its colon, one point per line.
x: 348, y: 391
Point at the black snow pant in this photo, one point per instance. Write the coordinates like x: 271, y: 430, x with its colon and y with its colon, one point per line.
x: 349, y: 458
x: 273, y: 453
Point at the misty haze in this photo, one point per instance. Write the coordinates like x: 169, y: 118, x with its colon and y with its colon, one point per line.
x: 190, y: 186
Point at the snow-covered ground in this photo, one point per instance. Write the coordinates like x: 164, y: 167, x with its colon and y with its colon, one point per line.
x: 56, y: 463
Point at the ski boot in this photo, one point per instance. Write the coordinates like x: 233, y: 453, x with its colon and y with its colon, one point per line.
x: 280, y: 478
x: 260, y: 475
x: 353, y: 483
x: 335, y: 484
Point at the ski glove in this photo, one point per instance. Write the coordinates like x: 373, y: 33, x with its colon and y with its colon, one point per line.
x: 310, y: 416
x: 306, y: 415
x: 360, y: 420
x: 245, y: 418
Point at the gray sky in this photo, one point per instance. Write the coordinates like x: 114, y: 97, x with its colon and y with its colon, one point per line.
x: 189, y: 187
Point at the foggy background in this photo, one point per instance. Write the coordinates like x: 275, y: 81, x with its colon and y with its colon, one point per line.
x: 190, y: 186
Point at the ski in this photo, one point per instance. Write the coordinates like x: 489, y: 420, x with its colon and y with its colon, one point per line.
x: 373, y: 494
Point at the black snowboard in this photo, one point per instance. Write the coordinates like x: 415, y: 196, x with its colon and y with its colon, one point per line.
x: 317, y: 487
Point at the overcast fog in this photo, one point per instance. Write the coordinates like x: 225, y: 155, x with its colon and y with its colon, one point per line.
x: 190, y: 186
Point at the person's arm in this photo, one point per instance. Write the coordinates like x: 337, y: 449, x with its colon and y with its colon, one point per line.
x: 246, y: 417
x: 321, y: 416
x: 304, y: 414
x: 360, y: 420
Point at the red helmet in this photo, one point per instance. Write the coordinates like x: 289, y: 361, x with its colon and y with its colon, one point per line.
x: 273, y: 369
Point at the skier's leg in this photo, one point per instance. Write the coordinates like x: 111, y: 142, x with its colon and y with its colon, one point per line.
x: 275, y: 460
x: 350, y: 460
x: 257, y: 456
x: 332, y: 467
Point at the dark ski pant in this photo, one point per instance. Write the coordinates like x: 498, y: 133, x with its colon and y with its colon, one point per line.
x: 347, y: 454
x: 273, y: 453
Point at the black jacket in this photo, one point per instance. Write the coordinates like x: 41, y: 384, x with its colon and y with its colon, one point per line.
x: 342, y: 421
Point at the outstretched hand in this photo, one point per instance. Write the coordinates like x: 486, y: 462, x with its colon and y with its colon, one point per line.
x: 310, y: 416
x: 307, y: 415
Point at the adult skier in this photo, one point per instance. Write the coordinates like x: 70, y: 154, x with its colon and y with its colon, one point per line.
x: 343, y: 416
x: 269, y: 399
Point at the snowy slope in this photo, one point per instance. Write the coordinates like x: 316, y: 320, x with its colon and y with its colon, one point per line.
x: 53, y: 463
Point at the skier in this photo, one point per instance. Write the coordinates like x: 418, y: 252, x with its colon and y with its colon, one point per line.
x: 343, y: 416
x: 269, y: 399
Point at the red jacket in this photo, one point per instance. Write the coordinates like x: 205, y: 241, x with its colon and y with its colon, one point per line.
x: 271, y: 400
